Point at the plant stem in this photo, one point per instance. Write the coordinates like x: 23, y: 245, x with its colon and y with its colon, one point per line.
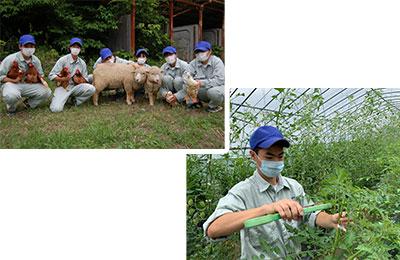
x: 335, y: 245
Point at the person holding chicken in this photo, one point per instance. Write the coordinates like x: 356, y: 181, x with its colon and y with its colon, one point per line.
x: 78, y: 88
x: 209, y: 72
x: 173, y: 87
x: 14, y: 72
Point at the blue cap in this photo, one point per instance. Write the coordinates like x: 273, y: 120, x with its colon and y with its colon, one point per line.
x: 141, y: 50
x: 265, y: 136
x: 168, y: 49
x: 75, y: 40
x: 104, y: 53
x: 202, y: 46
x: 27, y: 38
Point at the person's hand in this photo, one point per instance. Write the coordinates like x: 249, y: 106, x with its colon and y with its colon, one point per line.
x: 287, y: 209
x: 342, y: 222
x: 66, y: 78
x: 171, y: 99
x: 18, y: 79
x: 197, y: 87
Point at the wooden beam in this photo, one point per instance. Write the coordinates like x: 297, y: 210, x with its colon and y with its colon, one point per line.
x: 171, y: 21
x: 215, y: 9
x: 133, y: 14
x: 218, y: 2
x: 187, y: 2
x: 184, y: 11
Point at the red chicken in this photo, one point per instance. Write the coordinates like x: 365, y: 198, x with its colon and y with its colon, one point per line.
x: 15, y: 71
x: 33, y: 76
x: 78, y: 78
x: 64, y: 73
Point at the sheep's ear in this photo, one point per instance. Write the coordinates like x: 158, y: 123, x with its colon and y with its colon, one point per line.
x: 147, y: 72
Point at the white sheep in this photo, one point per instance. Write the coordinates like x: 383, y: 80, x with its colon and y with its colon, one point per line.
x: 112, y: 76
x: 140, y: 75
x: 153, y: 83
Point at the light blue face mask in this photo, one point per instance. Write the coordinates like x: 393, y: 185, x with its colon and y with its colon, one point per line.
x: 271, y: 168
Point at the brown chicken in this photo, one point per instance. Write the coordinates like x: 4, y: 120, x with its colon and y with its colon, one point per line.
x: 78, y: 78
x: 64, y: 73
x: 15, y: 71
x: 32, y: 75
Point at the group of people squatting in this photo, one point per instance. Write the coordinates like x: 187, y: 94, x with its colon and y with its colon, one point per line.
x: 206, y: 69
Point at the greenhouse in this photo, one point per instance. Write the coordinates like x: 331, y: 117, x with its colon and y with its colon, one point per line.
x: 344, y: 150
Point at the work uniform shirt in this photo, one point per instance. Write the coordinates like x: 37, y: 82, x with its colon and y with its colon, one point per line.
x: 22, y: 64
x: 117, y: 60
x: 68, y: 61
x: 253, y: 193
x: 174, y: 72
x: 210, y: 75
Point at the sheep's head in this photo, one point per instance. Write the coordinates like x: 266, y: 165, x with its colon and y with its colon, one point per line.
x: 154, y: 75
x: 140, y: 75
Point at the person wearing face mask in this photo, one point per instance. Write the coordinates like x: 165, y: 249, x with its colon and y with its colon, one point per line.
x: 14, y: 89
x: 79, y: 93
x: 141, y: 56
x: 209, y: 71
x: 172, y: 76
x: 106, y: 56
x: 266, y: 192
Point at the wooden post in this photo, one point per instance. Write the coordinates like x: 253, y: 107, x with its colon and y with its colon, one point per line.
x: 201, y: 22
x: 133, y: 14
x: 223, y: 37
x: 171, y: 20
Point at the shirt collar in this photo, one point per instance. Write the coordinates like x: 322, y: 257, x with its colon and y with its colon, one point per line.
x: 177, y: 65
x: 71, y: 60
x: 263, y: 185
x: 208, y: 62
x: 21, y: 58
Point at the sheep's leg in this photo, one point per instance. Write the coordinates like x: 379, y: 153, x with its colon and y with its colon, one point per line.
x: 130, y: 97
x: 96, y: 97
x: 151, y: 98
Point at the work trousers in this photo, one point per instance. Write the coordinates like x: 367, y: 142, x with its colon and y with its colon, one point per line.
x: 80, y: 92
x: 35, y: 92
x: 213, y: 96
x: 175, y: 85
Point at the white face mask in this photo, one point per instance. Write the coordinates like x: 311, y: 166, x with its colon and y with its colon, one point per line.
x: 75, y: 51
x: 202, y: 56
x: 28, y: 51
x: 141, y: 61
x: 170, y: 59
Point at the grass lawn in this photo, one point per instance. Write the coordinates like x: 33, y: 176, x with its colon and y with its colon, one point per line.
x: 113, y: 124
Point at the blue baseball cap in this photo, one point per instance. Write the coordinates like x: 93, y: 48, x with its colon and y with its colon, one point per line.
x: 105, y: 53
x: 27, y: 38
x: 75, y: 40
x: 141, y: 50
x: 265, y: 136
x: 202, y: 46
x: 168, y: 49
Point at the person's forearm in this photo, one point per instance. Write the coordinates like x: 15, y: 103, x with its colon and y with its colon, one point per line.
x: 324, y: 220
x: 232, y: 222
x: 7, y: 79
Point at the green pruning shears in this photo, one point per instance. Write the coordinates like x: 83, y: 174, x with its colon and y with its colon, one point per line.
x: 269, y: 218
